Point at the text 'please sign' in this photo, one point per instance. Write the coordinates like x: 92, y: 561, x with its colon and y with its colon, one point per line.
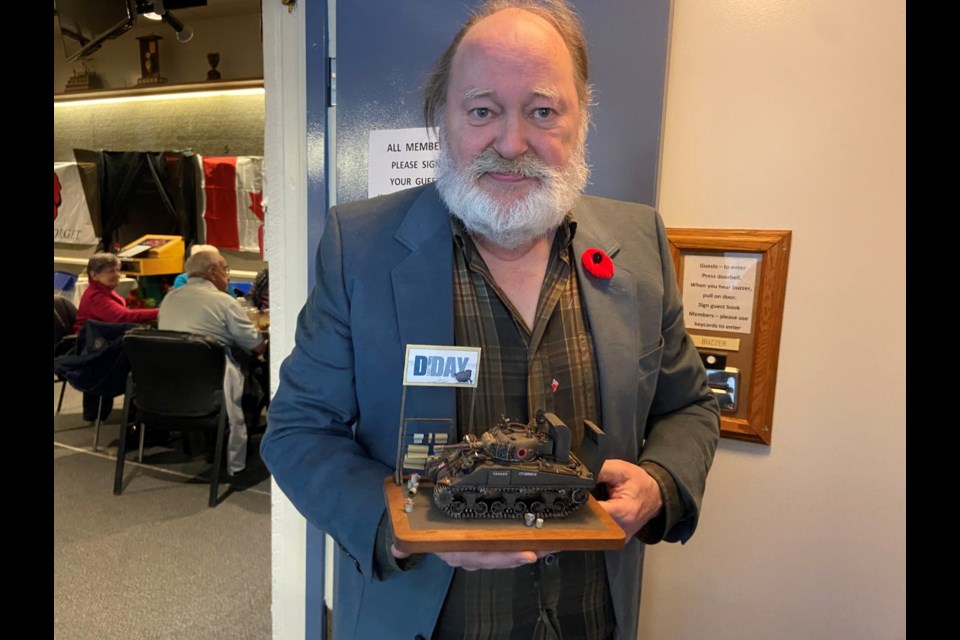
x: 400, y: 159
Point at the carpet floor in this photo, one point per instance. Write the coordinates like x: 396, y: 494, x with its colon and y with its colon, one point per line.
x: 155, y: 562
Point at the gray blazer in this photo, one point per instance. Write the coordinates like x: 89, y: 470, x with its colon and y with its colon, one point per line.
x: 384, y: 280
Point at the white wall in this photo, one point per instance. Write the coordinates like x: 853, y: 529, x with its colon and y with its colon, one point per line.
x: 285, y: 184
x: 791, y: 115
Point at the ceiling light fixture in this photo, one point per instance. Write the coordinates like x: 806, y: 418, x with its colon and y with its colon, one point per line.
x: 160, y: 10
x: 184, y: 34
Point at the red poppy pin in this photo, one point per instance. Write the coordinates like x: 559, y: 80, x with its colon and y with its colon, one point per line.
x: 597, y: 263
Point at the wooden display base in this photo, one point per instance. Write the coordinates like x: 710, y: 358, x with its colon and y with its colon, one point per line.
x: 426, y: 529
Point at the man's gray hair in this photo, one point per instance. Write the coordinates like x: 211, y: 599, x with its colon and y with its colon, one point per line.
x: 101, y: 262
x: 197, y: 248
x: 557, y: 12
x: 200, y: 263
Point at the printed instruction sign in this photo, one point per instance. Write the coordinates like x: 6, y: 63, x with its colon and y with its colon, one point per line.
x: 440, y: 366
x: 718, y: 291
x: 400, y: 159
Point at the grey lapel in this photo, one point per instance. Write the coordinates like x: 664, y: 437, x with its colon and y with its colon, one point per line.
x: 613, y: 311
x: 423, y: 291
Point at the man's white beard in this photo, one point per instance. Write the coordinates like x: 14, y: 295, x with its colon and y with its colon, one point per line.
x: 511, y: 225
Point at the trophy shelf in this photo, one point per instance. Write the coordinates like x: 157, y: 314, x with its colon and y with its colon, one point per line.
x: 160, y: 90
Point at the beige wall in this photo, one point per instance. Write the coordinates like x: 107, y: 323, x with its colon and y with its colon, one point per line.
x: 791, y: 115
x: 230, y: 125
x: 220, y: 125
x: 215, y: 125
x: 117, y: 62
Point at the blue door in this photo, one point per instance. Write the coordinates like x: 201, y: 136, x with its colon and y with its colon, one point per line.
x: 382, y: 52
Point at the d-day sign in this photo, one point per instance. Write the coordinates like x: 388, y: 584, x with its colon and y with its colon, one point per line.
x: 441, y: 366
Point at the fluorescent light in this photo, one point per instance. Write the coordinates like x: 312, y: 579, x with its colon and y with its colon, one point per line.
x: 155, y: 93
x: 162, y: 96
x: 152, y: 16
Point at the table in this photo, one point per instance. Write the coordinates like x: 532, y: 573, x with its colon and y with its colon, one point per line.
x: 260, y: 319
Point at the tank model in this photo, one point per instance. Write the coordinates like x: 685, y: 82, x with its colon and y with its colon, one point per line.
x: 515, y: 469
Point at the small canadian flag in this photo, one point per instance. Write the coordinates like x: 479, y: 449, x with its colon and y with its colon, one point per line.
x: 554, y: 385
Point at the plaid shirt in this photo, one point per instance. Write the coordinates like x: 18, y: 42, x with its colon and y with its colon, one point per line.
x: 549, y: 366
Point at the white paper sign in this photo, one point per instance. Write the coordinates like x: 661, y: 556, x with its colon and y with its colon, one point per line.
x: 440, y: 366
x: 718, y: 292
x: 400, y: 159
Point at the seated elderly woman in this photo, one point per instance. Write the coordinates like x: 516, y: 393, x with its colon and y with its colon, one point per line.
x: 101, y: 302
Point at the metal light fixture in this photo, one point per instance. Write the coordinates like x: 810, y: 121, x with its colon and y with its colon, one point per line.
x: 184, y: 33
x: 155, y: 10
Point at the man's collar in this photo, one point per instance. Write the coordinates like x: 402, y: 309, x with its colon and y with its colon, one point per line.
x: 566, y: 231
x: 200, y: 279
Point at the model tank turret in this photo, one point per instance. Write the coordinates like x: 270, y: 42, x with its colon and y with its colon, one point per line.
x: 515, y: 468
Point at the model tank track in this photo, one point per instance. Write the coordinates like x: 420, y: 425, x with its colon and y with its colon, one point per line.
x: 487, y: 503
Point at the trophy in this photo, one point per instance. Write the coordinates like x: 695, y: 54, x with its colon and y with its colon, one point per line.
x: 150, y: 60
x: 213, y: 59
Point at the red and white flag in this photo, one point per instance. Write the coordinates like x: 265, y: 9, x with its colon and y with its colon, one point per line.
x: 71, y: 215
x: 233, y: 202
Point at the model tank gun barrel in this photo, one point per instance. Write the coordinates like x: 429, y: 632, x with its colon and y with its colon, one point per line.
x: 469, y: 441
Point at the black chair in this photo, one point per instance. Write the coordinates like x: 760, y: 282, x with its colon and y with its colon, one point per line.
x: 97, y: 365
x: 175, y: 384
x: 64, y: 339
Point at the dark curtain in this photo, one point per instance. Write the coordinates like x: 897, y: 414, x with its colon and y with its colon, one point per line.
x: 143, y: 192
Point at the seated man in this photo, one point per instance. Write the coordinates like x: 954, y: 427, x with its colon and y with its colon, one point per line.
x: 204, y: 306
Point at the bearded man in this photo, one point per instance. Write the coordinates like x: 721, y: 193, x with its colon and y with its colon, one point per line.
x: 497, y: 254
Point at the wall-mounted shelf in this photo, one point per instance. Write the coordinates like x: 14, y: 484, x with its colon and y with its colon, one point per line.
x: 154, y: 92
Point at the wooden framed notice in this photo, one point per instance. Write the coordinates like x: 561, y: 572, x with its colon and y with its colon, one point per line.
x: 426, y: 529
x: 733, y: 283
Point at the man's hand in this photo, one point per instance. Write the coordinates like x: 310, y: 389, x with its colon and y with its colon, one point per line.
x: 633, y: 496
x: 473, y: 560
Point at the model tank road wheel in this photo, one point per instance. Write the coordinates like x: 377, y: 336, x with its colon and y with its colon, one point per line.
x: 480, y: 508
x: 520, y: 507
x: 537, y: 507
x: 551, y: 498
x: 442, y: 496
x: 457, y: 507
x: 497, y: 507
x: 579, y: 496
